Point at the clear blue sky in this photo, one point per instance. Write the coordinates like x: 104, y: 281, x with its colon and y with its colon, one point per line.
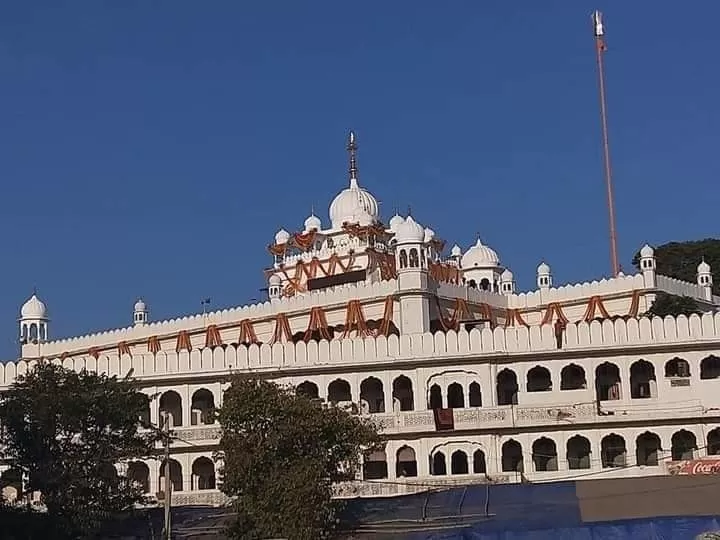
x: 154, y: 148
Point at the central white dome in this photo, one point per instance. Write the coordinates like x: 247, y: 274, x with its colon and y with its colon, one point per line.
x: 480, y: 256
x: 353, y: 205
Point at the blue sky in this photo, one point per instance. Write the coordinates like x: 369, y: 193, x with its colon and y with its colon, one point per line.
x: 153, y: 148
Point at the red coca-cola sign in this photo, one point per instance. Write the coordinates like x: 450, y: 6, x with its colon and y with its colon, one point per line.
x: 694, y: 467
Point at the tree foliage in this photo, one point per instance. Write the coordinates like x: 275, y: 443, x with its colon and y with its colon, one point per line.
x: 669, y: 304
x: 282, y: 452
x: 680, y: 259
x: 66, y: 430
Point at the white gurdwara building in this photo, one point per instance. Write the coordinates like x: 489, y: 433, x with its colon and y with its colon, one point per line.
x: 470, y: 380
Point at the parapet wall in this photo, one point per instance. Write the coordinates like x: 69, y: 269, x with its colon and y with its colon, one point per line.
x: 345, y: 354
x: 296, y: 304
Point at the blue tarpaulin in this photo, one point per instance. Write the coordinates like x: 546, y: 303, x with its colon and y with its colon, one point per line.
x: 509, y: 512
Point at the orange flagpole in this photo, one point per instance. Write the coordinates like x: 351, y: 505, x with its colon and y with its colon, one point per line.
x: 600, y: 47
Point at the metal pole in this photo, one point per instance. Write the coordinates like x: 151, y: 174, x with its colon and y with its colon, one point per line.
x: 600, y: 49
x: 167, y: 534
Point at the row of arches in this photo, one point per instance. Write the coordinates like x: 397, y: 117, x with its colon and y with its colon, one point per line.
x: 202, y: 475
x: 544, y: 455
x: 608, y: 386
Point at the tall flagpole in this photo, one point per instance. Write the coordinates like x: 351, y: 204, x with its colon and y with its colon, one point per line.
x: 600, y: 50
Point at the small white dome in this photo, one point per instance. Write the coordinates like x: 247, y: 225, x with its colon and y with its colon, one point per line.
x: 480, y: 256
x: 351, y: 203
x: 456, y: 251
x: 429, y: 234
x: 395, y: 222
x: 313, y: 223
x: 410, y: 231
x: 364, y: 219
x: 33, y: 309
x: 543, y: 268
x: 281, y: 237
x: 703, y: 268
x: 506, y: 276
x: 647, y: 251
x: 140, y: 305
x: 274, y: 280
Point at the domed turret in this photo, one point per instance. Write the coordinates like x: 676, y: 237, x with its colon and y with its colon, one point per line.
x: 544, y: 277
x: 313, y: 223
x: 429, y: 235
x: 647, y: 266
x: 705, y: 279
x: 274, y: 286
x: 140, y: 313
x: 395, y: 222
x: 33, y: 321
x: 410, y: 232
x: 507, y: 282
x: 481, y: 267
x: 281, y: 237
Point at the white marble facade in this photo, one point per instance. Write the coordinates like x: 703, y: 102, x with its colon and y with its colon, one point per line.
x: 607, y: 393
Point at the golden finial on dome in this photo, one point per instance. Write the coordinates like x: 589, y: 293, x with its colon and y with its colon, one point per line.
x: 352, y: 149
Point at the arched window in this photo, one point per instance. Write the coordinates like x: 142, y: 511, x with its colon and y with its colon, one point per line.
x: 308, y: 389
x: 435, y: 401
x: 512, y: 458
x: 545, y: 455
x: 677, y: 367
x: 507, y: 387
x: 339, y: 391
x: 171, y: 405
x: 578, y: 452
x: 713, y: 442
x: 479, y: 464
x: 371, y: 391
x: 403, y: 259
x: 438, y: 466
x: 203, y: 407
x: 613, y: 452
x: 475, y: 395
x: 642, y: 380
x: 538, y: 380
x: 403, y: 393
x: 414, y: 258
x: 459, y: 462
x: 572, y: 377
x: 406, y: 463
x: 485, y: 284
x: 456, y: 399
x: 684, y: 445
x: 648, y: 449
x: 203, y: 474
x: 375, y: 466
x: 607, y: 382
x: 139, y: 473
x: 710, y: 367
x: 176, y: 477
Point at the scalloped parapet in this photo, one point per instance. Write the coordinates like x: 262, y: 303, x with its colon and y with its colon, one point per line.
x: 350, y: 353
x: 339, y: 295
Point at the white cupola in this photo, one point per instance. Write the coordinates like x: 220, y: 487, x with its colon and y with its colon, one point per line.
x: 507, y: 282
x: 282, y: 237
x: 395, y: 222
x: 353, y: 204
x: 481, y: 267
x: 647, y: 266
x: 705, y: 280
x: 33, y: 321
x: 313, y: 223
x: 410, y: 232
x: 274, y: 286
x: 544, y: 276
x: 140, y: 313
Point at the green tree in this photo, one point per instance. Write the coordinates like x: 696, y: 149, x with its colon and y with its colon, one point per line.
x: 670, y: 304
x: 66, y: 430
x: 680, y: 259
x: 282, y: 452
